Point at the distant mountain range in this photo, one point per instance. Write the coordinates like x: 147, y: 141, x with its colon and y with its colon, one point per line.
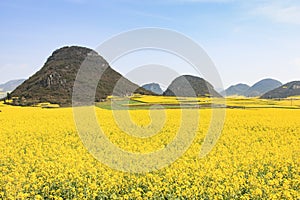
x: 236, y: 90
x: 262, y: 87
x: 190, y: 86
x: 287, y: 90
x: 265, y: 89
x: 153, y: 87
x: 54, y: 81
x: 11, y: 85
x: 256, y: 90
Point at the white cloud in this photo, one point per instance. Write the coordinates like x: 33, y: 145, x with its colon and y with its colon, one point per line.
x: 280, y: 11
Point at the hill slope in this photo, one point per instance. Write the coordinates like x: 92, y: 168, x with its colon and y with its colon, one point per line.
x: 153, y: 87
x: 54, y: 82
x: 189, y: 86
x: 262, y: 87
x: 287, y: 90
x: 11, y: 85
x: 238, y: 90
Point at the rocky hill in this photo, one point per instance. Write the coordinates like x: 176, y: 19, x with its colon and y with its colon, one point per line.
x: 287, y: 90
x: 153, y: 87
x: 190, y: 86
x: 262, y: 87
x: 238, y: 90
x: 54, y: 82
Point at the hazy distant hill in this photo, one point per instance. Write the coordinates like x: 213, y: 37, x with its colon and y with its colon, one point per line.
x: 238, y: 90
x: 190, y: 86
x: 287, y: 90
x: 262, y: 87
x: 54, y: 82
x: 11, y: 85
x: 153, y: 87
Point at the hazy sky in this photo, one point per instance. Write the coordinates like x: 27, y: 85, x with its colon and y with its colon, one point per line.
x: 247, y: 40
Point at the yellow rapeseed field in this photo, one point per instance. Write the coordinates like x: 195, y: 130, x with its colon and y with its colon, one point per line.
x: 257, y: 156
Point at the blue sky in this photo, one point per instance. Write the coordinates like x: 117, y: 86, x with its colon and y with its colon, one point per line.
x: 247, y: 40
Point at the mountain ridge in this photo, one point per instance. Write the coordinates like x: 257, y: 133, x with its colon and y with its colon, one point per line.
x: 11, y: 85
x: 262, y: 86
x: 237, y: 89
x: 287, y: 90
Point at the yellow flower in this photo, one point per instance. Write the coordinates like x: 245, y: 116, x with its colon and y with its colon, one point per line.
x: 257, y: 155
x: 257, y: 192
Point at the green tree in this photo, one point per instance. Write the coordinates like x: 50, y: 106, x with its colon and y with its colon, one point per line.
x: 8, y: 96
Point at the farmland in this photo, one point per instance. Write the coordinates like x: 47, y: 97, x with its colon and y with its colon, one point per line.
x: 257, y: 155
x: 146, y: 102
